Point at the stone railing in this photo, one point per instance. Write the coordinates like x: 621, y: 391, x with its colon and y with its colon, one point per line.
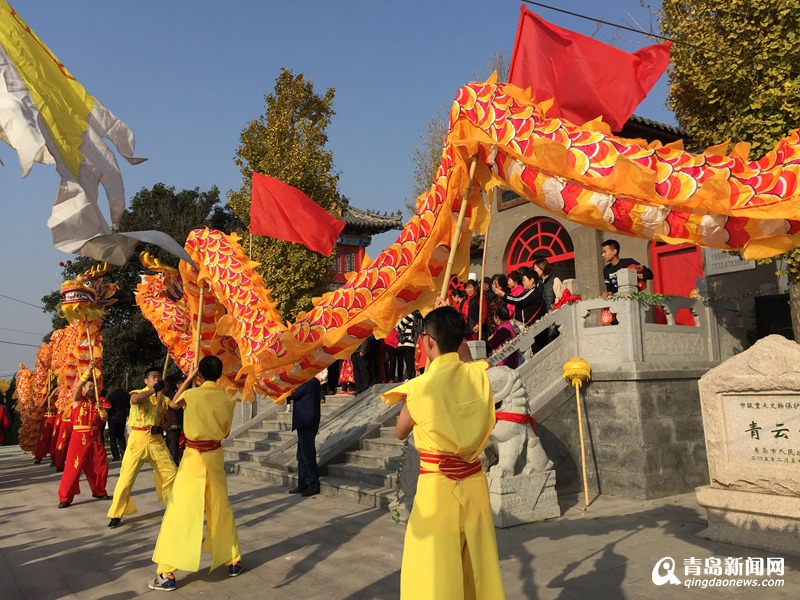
x: 635, y: 338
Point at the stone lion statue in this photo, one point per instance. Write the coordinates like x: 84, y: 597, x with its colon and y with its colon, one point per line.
x: 514, y: 446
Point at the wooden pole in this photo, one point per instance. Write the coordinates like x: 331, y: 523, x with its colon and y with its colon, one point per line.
x: 483, y: 271
x: 91, y: 359
x: 457, y: 235
x: 199, y: 325
x: 166, y: 364
x: 577, y: 385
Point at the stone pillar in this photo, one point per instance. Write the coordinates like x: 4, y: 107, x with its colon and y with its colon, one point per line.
x: 751, y: 416
x: 627, y: 281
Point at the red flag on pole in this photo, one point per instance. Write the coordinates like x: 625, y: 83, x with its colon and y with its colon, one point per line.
x: 280, y: 211
x: 585, y: 77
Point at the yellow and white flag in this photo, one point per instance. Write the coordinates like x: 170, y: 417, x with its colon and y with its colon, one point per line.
x: 47, y: 117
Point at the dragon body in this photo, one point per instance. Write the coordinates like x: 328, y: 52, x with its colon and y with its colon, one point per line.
x: 68, y: 353
x: 29, y: 426
x: 582, y: 173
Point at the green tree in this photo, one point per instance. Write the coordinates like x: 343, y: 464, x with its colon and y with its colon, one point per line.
x: 427, y: 156
x: 735, y: 74
x: 288, y: 142
x: 130, y: 343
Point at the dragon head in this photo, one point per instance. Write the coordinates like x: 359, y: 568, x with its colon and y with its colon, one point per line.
x: 87, y: 295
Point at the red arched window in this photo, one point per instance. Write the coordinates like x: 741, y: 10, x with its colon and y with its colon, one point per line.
x: 542, y: 237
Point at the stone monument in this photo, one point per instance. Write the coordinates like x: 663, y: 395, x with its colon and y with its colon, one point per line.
x: 751, y: 416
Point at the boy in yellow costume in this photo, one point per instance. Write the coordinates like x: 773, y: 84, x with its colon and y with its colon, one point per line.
x: 146, y: 443
x: 201, y: 486
x: 450, y: 549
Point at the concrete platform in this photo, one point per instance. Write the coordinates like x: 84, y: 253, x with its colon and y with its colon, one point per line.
x: 320, y: 548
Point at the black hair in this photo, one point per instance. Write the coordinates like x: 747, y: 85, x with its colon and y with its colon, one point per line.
x: 458, y: 293
x: 543, y: 265
x: 150, y: 370
x: 501, y: 312
x: 210, y: 368
x: 515, y: 277
x: 529, y: 273
x: 502, y: 282
x: 613, y: 244
x: 487, y: 280
x: 447, y: 327
x: 473, y: 283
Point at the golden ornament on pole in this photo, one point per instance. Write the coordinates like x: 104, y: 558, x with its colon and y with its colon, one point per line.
x: 577, y: 372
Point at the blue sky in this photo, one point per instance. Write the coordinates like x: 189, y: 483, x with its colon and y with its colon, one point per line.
x: 187, y: 76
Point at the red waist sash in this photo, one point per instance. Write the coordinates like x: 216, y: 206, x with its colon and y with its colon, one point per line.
x: 452, y: 467
x: 516, y: 418
x: 203, y: 445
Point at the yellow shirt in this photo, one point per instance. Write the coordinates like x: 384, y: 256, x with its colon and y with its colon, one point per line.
x: 150, y: 411
x: 209, y: 412
x: 451, y: 405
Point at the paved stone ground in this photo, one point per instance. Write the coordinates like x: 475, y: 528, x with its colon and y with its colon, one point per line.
x: 319, y: 548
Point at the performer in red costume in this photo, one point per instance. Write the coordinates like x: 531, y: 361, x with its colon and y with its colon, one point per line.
x: 86, y: 451
x: 46, y: 430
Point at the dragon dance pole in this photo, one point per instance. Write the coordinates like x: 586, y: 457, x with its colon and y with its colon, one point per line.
x: 483, y: 271
x: 199, y: 325
x: 166, y: 364
x: 91, y: 359
x: 457, y: 235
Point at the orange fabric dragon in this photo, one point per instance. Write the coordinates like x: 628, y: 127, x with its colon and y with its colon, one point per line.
x: 584, y: 174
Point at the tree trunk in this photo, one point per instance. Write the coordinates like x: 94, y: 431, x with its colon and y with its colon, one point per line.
x: 794, y: 306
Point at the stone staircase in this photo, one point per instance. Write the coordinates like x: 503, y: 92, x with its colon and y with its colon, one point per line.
x: 372, y: 468
x: 357, y: 464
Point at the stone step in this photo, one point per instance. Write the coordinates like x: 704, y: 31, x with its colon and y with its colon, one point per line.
x: 364, y: 494
x: 260, y: 435
x: 248, y: 445
x: 363, y: 475
x: 268, y: 425
x: 387, y: 445
x: 378, y: 460
x: 388, y: 432
x: 253, y: 456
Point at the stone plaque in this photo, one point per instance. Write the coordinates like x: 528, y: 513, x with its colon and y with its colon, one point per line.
x: 763, y: 433
x: 718, y: 262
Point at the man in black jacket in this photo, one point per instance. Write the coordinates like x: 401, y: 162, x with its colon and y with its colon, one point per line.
x: 609, y: 250
x: 305, y: 420
x: 120, y: 402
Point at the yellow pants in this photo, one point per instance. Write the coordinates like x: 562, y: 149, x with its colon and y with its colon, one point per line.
x: 450, y: 550
x: 201, y: 489
x: 142, y: 446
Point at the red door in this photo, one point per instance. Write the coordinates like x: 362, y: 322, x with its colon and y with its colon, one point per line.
x: 675, y: 269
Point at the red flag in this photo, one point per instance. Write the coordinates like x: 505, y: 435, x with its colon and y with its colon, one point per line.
x: 280, y: 211
x: 585, y: 77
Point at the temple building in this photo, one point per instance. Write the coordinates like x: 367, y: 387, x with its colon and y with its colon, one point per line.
x: 357, y: 234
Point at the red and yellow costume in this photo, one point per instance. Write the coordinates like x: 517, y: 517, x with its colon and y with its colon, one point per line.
x: 46, y: 434
x: 58, y: 449
x: 86, y: 452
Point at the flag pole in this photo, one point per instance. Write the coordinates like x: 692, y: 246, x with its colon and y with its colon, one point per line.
x: 483, y: 269
x: 457, y: 235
